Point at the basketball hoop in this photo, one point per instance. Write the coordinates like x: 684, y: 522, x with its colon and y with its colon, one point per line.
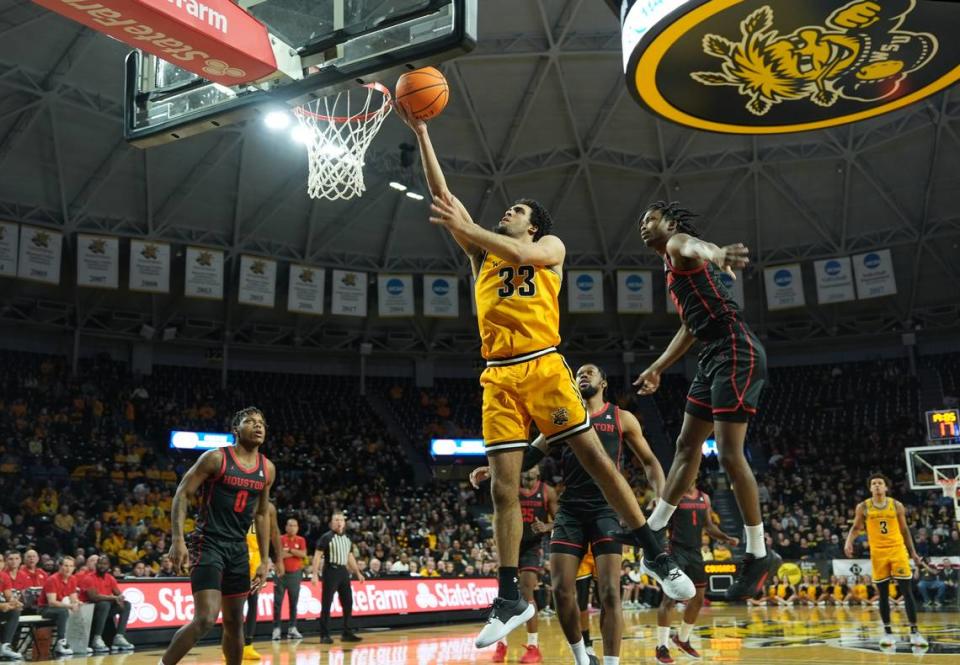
x: 340, y: 131
x: 949, y: 488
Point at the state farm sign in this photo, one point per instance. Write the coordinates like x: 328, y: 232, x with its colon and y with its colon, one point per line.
x: 214, y: 39
x: 163, y: 603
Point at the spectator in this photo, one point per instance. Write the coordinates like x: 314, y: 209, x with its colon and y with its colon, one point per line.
x: 10, y: 608
x: 294, y: 552
x: 721, y: 552
x: 58, y: 600
x: 375, y: 569
x: 30, y: 574
x: 166, y: 567
x: 140, y: 570
x: 931, y: 583
x: 402, y: 565
x: 102, y: 590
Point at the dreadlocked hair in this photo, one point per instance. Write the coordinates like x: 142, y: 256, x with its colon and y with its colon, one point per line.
x: 539, y: 217
x: 239, y: 416
x: 675, y: 213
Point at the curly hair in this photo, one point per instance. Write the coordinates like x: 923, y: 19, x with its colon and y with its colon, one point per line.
x: 672, y: 211
x: 539, y: 217
x: 881, y: 477
x: 239, y: 416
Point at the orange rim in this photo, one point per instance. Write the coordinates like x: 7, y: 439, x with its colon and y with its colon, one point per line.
x: 363, y: 117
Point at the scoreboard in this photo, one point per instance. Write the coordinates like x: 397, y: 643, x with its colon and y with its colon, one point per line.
x: 943, y: 424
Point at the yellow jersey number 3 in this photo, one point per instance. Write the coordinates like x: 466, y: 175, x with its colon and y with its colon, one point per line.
x: 517, y: 281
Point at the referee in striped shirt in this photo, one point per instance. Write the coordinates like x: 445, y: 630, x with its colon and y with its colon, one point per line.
x: 334, y: 560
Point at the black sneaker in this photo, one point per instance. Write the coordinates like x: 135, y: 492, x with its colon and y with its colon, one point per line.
x: 326, y: 639
x: 350, y: 636
x: 668, y: 575
x: 753, y: 575
x: 594, y: 660
x: 505, y: 615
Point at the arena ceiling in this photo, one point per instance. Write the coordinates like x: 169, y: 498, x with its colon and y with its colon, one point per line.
x: 539, y: 109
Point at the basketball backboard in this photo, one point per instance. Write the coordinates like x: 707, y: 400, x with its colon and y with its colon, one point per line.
x: 926, y: 463
x: 334, y: 44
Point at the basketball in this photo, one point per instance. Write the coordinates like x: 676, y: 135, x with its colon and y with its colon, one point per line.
x: 423, y: 92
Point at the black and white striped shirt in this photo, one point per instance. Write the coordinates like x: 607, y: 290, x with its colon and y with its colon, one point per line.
x: 335, y: 548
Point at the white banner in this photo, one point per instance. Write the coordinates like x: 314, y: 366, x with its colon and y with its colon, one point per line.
x: 40, y: 255
x: 9, y: 237
x: 149, y: 266
x: 258, y: 281
x: 874, y: 272
x: 395, y: 295
x: 734, y: 287
x: 584, y: 291
x: 852, y: 567
x: 305, y: 293
x: 98, y: 261
x: 634, y: 292
x: 441, y: 296
x: 784, y: 286
x: 204, y: 274
x: 834, y: 280
x: 349, y: 293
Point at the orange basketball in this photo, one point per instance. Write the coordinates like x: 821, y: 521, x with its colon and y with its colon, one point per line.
x: 423, y: 92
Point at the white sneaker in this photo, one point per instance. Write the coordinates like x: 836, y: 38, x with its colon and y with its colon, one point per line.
x: 294, y: 634
x: 276, y: 634
x: 61, y: 648
x: 121, y: 643
x: 918, y: 640
x: 888, y: 641
x: 673, y: 581
x: 505, y: 615
x: 99, y: 646
x: 8, y: 653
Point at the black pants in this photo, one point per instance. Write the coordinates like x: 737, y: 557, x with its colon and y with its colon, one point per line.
x: 289, y: 584
x: 250, y: 623
x: 336, y: 579
x: 104, y: 610
x: 11, y: 620
x: 58, y: 615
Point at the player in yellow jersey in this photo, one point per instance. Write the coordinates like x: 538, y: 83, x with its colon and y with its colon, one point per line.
x: 518, y: 268
x: 890, y: 541
x: 250, y: 624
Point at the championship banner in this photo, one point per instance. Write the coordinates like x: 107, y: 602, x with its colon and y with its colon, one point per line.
x: 204, y: 274
x: 40, y: 255
x: 784, y: 286
x: 634, y: 292
x: 349, y: 293
x: 98, y: 261
x: 169, y: 603
x: 874, y: 273
x: 834, y: 280
x: 305, y: 293
x: 395, y: 295
x: 441, y: 296
x: 258, y: 281
x: 149, y: 266
x: 9, y: 239
x: 584, y: 291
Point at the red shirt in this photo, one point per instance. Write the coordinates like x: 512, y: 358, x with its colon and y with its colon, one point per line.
x: 62, y: 587
x: 292, y: 564
x: 6, y: 582
x: 26, y: 578
x: 105, y: 586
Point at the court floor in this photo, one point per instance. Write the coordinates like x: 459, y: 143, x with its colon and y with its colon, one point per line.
x: 729, y: 635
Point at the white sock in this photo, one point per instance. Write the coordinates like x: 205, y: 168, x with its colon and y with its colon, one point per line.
x: 755, y: 544
x: 685, y: 629
x: 661, y: 515
x: 611, y: 660
x: 533, y: 639
x: 663, y: 635
x: 580, y: 656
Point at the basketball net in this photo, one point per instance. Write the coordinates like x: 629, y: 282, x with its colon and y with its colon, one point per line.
x: 341, y: 127
x: 949, y: 487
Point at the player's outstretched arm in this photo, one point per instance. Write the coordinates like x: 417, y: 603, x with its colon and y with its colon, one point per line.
x: 649, y: 380
x: 854, y: 530
x: 205, y: 468
x: 713, y: 529
x: 637, y: 442
x: 683, y: 248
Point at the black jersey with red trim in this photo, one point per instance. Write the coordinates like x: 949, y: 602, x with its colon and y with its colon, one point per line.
x: 228, y: 500
x: 686, y: 525
x: 705, y: 305
x: 533, y: 507
x: 580, y: 490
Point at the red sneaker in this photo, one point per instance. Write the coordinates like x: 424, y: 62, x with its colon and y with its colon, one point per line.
x: 533, y: 654
x: 663, y: 655
x: 686, y: 648
x: 500, y: 655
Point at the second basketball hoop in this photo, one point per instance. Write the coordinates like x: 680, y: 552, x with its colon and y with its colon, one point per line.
x: 339, y: 130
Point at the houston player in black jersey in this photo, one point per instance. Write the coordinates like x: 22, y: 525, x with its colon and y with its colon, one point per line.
x: 732, y: 368
x: 586, y: 519
x: 692, y: 517
x: 235, y: 490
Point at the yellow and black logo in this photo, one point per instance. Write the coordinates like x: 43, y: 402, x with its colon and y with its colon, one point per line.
x: 774, y: 66
x: 258, y: 267
x: 306, y: 276
x: 97, y: 246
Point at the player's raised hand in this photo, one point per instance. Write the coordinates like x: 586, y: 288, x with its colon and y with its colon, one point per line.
x: 648, y: 381
x: 447, y: 211
x: 732, y: 257
x: 179, y: 555
x: 408, y: 119
x: 478, y: 475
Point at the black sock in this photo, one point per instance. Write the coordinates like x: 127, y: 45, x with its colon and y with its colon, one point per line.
x: 586, y: 637
x: 508, y: 583
x: 913, y: 629
x: 651, y: 548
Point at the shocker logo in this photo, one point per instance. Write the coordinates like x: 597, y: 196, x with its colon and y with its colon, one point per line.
x: 216, y: 67
x: 150, y: 252
x: 41, y: 239
x: 258, y: 267
x: 349, y: 279
x: 98, y: 246
x: 560, y: 416
x: 205, y: 259
x: 306, y: 276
